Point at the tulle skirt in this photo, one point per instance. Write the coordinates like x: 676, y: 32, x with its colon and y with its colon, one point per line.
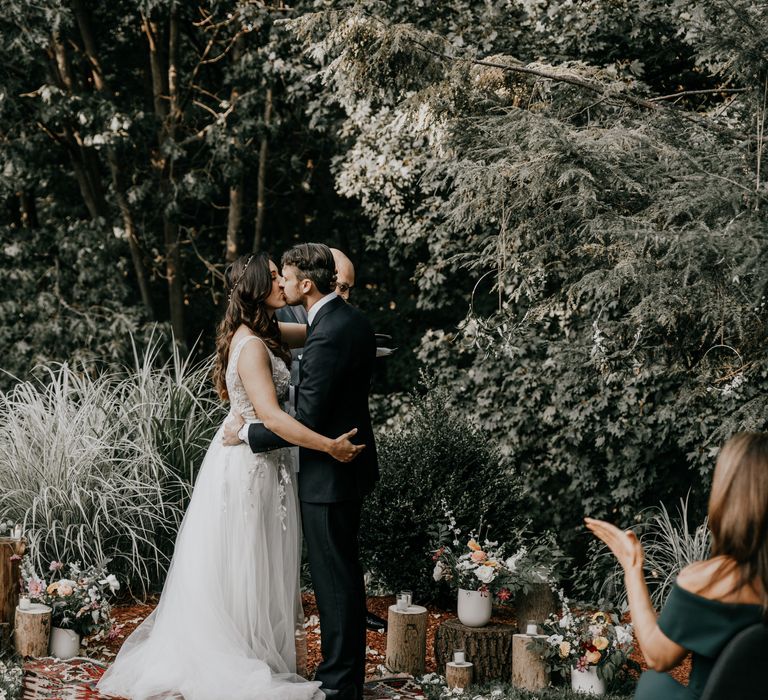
x: 225, y: 625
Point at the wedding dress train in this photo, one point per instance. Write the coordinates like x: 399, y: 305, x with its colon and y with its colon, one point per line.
x: 224, y: 628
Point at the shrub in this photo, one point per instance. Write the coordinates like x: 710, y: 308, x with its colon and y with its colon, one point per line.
x: 100, y: 466
x: 436, y: 455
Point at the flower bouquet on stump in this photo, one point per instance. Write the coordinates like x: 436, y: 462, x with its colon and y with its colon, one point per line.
x: 78, y: 599
x: 592, y: 648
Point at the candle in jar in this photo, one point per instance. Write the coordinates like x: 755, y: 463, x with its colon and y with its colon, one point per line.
x: 402, y: 604
x: 531, y: 628
x: 24, y: 603
x: 458, y: 657
x: 17, y: 532
x: 408, y: 595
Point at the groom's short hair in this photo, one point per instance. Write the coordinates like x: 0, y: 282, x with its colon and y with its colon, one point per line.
x: 314, y: 261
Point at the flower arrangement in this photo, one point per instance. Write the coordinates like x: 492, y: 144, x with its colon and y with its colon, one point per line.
x: 10, y: 680
x: 77, y: 597
x: 482, y: 565
x: 584, y: 640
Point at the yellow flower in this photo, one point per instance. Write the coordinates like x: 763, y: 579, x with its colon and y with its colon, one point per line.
x: 600, y: 643
x: 599, y: 618
x: 592, y: 657
x: 53, y: 588
x: 473, y: 545
x: 565, y: 649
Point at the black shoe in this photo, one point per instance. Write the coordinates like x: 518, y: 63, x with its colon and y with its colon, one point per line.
x: 374, y: 622
x: 347, y: 693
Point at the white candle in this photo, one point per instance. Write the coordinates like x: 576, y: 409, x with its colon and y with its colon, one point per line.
x: 402, y: 603
x: 24, y: 603
x: 17, y: 532
x: 408, y: 595
x: 458, y: 657
x: 532, y: 628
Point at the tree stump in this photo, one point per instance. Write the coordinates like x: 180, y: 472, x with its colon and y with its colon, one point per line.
x: 537, y: 605
x: 32, y: 630
x: 10, y: 571
x: 529, y: 671
x: 489, y: 648
x: 407, y: 640
x: 458, y: 675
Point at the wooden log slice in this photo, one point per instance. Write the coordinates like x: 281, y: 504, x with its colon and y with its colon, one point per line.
x: 529, y: 670
x: 9, y: 577
x: 406, y: 640
x: 535, y: 605
x: 488, y: 648
x: 32, y: 630
x: 458, y: 675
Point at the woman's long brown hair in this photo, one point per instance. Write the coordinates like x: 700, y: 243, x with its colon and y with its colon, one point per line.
x: 738, y: 510
x: 249, y: 283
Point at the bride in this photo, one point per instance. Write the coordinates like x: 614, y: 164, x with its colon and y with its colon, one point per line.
x: 225, y: 624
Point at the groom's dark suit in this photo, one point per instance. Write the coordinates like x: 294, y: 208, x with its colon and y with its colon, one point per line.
x: 336, y: 368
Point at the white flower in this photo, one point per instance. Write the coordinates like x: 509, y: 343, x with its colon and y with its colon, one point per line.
x: 555, y: 640
x: 439, y: 571
x: 623, y: 634
x: 112, y: 581
x: 566, y: 621
x: 485, y: 573
x: 95, y: 616
x: 511, y: 563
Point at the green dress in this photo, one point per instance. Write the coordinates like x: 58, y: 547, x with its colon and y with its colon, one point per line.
x: 702, y: 626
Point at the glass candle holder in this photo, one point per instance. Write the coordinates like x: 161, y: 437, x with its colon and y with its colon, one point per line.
x: 531, y: 627
x: 459, y: 656
x: 402, y: 603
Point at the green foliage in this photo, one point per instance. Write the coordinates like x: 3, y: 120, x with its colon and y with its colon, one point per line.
x: 437, y: 455
x: 100, y: 466
x: 610, y: 249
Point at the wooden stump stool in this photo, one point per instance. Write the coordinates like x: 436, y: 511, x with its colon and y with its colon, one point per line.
x: 489, y: 648
x: 529, y: 671
x: 32, y: 630
x: 9, y: 584
x: 406, y: 640
x: 458, y: 675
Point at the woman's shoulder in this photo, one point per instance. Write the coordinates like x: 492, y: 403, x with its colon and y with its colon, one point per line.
x: 240, y: 343
x: 717, y: 579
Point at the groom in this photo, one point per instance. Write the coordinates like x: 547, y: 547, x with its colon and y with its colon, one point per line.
x: 335, y: 377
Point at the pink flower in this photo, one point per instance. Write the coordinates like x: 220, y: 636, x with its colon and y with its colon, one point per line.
x: 15, y: 557
x: 479, y: 556
x: 504, y: 594
x: 35, y: 588
x: 56, y: 566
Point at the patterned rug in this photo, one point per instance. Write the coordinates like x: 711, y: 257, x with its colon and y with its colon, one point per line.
x: 76, y: 679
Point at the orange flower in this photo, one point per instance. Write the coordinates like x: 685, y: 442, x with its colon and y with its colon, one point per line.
x: 478, y: 556
x: 473, y: 545
x: 592, y: 657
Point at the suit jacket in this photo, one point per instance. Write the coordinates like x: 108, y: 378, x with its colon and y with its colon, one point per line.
x: 293, y: 314
x: 335, y: 379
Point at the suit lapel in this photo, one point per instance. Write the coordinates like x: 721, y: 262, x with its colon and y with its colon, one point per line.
x: 331, y: 306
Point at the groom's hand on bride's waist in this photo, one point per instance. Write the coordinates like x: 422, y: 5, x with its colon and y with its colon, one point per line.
x: 232, y: 426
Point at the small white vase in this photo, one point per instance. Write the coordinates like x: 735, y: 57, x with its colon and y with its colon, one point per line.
x: 587, y: 681
x: 474, y: 608
x: 64, y: 643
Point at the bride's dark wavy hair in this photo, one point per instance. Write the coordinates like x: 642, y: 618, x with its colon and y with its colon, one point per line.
x: 249, y: 283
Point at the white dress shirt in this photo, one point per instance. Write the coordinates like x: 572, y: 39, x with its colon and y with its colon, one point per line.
x: 319, y: 304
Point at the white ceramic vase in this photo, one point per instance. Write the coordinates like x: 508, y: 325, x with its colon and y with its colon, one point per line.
x: 474, y: 608
x: 64, y: 643
x: 587, y: 681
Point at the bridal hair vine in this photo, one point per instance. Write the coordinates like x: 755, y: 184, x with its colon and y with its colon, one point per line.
x: 234, y: 286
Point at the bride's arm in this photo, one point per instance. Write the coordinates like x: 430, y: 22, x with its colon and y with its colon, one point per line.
x: 255, y: 371
x: 294, y: 335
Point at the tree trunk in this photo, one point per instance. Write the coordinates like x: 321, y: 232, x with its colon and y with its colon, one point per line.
x: 235, y: 213
x: 260, y: 185
x: 100, y: 84
x: 529, y: 670
x: 488, y: 648
x: 32, y: 631
x: 536, y: 605
x: 407, y: 640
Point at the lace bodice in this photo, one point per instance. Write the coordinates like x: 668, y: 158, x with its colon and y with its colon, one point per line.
x: 238, y: 399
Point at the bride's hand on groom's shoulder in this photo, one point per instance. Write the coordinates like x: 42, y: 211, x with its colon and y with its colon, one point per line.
x: 232, y: 427
x: 343, y: 450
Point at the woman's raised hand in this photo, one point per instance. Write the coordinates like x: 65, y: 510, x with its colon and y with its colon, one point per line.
x: 343, y: 450
x: 623, y: 543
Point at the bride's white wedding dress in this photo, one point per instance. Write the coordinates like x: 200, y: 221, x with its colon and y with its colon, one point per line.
x: 225, y: 625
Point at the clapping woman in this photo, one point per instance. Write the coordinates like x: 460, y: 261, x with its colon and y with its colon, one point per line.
x: 712, y: 600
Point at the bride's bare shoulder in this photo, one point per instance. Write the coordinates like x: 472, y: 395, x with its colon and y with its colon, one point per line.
x: 717, y: 578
